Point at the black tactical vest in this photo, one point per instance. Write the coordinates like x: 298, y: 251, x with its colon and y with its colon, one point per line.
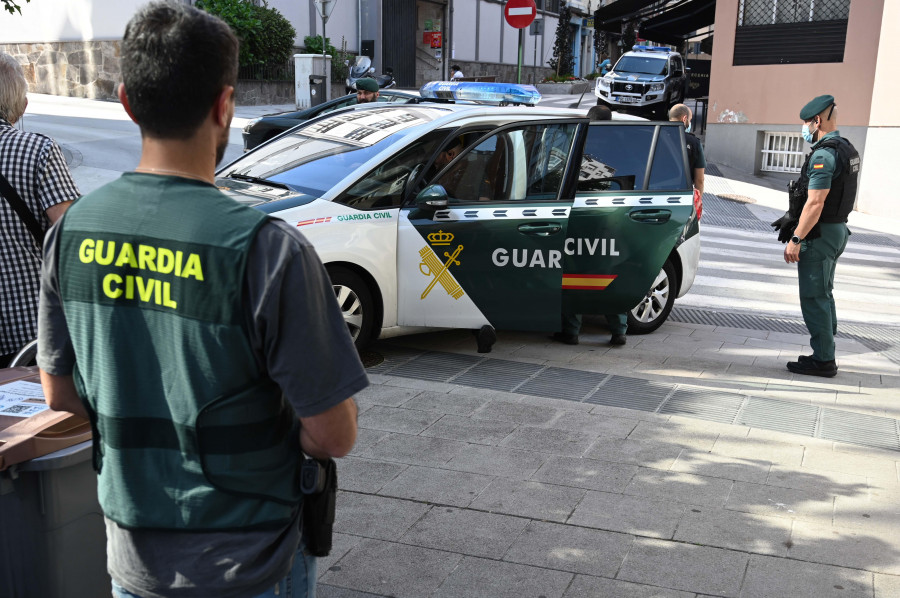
x: 842, y: 195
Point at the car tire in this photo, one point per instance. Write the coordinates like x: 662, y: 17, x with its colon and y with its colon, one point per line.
x: 355, y: 300
x: 655, y: 307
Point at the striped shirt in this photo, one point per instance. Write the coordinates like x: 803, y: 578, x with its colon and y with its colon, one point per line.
x: 34, y: 165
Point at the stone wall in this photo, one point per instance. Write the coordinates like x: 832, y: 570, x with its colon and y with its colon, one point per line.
x: 262, y: 93
x: 505, y: 73
x: 88, y: 69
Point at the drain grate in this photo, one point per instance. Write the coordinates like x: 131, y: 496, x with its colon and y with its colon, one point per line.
x: 705, y: 404
x: 562, y: 383
x: 646, y: 395
x: 882, y: 339
x: 781, y: 416
x: 631, y: 393
x: 844, y: 426
x: 437, y: 367
x: 498, y: 374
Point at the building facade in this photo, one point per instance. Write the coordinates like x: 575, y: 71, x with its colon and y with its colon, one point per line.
x: 768, y: 62
x: 70, y: 47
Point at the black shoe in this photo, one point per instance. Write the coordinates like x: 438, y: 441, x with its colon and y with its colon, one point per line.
x: 813, y: 367
x: 562, y: 337
x: 805, y: 359
x: 617, y: 339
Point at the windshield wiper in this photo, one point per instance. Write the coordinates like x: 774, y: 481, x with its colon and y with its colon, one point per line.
x: 253, y: 179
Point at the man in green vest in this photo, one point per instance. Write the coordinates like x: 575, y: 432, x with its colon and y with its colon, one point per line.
x: 819, y: 205
x: 201, y: 339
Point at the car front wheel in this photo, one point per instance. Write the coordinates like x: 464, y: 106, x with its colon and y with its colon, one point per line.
x: 654, y: 309
x: 355, y: 300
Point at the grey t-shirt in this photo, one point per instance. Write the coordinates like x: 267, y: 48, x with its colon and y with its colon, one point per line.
x: 300, y: 339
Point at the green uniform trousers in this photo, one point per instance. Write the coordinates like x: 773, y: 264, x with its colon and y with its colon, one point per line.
x: 815, y: 270
x: 571, y: 323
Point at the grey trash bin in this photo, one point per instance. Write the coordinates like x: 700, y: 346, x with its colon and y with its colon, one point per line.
x: 53, y: 539
x: 316, y: 90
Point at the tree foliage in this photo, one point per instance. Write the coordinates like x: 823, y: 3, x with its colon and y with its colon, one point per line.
x: 266, y: 36
x: 12, y: 7
x: 563, y: 61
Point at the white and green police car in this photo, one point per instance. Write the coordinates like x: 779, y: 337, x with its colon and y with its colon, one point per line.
x: 457, y: 214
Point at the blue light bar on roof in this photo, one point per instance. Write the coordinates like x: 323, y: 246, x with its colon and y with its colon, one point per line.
x: 494, y: 93
x: 651, y: 48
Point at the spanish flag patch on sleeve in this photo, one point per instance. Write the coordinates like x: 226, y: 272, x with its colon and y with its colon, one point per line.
x: 818, y: 166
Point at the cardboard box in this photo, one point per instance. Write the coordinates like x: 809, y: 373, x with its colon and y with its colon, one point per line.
x: 25, y: 436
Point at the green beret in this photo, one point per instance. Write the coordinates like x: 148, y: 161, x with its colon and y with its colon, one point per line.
x: 815, y: 106
x: 367, y: 84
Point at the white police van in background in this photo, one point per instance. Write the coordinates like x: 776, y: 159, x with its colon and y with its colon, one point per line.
x: 532, y: 210
x: 647, y: 81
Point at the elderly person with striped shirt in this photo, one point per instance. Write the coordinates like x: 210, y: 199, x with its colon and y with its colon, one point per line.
x: 35, y: 189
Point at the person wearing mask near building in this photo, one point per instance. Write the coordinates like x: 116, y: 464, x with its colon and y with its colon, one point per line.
x: 815, y: 229
x: 696, y: 158
x: 456, y: 73
x: 200, y: 337
x: 366, y: 90
x: 36, y: 188
x: 571, y: 322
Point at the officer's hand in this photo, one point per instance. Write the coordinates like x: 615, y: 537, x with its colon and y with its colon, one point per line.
x: 792, y: 253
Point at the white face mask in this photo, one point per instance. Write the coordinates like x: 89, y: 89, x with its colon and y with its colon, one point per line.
x: 687, y: 127
x: 808, y: 136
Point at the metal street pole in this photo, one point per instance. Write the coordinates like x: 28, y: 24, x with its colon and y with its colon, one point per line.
x: 521, y: 50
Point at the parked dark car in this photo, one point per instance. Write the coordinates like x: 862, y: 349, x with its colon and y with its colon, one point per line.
x: 260, y: 130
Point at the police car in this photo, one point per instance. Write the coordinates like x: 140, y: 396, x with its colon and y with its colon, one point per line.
x: 647, y: 80
x: 450, y: 213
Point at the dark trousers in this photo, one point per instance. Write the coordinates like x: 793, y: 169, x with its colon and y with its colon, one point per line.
x: 571, y: 323
x: 815, y: 271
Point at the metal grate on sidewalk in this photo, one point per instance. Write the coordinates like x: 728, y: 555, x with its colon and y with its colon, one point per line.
x: 644, y: 395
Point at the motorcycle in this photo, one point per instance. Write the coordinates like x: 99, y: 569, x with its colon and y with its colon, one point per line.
x: 363, y: 68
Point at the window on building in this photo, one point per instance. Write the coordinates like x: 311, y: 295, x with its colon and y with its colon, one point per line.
x: 790, y: 31
x: 548, y: 5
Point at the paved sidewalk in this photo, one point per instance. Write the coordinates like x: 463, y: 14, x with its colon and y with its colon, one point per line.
x: 459, y: 491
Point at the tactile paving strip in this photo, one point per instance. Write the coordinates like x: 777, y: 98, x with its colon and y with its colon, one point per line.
x: 645, y: 395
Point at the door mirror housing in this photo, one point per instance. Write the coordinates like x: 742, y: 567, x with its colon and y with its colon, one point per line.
x: 432, y: 198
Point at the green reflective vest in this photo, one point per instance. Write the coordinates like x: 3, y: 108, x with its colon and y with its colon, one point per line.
x: 188, y: 432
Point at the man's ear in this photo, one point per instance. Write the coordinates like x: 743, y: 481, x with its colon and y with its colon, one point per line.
x: 124, y: 100
x: 222, y: 112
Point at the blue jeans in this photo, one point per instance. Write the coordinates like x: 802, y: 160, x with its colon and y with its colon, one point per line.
x: 299, y: 583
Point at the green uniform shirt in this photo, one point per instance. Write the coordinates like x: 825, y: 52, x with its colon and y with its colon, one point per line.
x: 823, y: 165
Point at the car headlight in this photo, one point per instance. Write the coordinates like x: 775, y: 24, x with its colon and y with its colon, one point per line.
x: 657, y: 86
x: 603, y: 82
x: 250, y: 124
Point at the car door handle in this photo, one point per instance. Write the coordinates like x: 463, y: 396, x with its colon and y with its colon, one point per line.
x: 651, y: 216
x: 542, y: 230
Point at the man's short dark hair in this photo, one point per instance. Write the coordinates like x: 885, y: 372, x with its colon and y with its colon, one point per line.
x: 176, y: 59
x: 600, y: 113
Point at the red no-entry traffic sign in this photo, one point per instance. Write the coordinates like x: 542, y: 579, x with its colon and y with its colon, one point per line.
x: 520, y: 13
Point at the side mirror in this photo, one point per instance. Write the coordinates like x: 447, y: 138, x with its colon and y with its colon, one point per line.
x: 432, y: 198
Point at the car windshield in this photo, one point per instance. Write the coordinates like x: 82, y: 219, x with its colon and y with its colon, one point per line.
x: 645, y: 65
x: 315, y: 158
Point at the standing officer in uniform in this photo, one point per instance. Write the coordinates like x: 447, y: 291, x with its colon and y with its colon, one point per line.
x: 696, y: 158
x: 819, y: 205
x: 200, y: 337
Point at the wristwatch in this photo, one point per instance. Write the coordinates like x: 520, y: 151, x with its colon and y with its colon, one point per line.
x: 796, y: 240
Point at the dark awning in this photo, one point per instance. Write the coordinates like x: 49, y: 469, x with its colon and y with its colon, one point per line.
x: 611, y: 16
x: 678, y: 24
